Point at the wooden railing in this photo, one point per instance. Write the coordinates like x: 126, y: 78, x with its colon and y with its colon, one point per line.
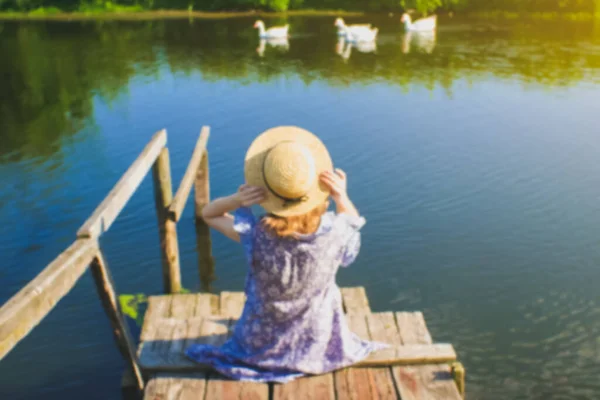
x: 20, y: 314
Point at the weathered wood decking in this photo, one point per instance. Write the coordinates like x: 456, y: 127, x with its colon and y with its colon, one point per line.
x: 174, y: 322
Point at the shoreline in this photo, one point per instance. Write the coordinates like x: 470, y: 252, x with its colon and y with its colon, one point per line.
x: 135, y: 15
x: 169, y: 14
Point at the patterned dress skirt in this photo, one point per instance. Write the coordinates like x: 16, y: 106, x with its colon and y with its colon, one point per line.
x: 293, y: 323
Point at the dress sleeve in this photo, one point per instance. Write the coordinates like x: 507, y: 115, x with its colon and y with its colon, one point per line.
x: 348, y: 227
x: 244, y: 223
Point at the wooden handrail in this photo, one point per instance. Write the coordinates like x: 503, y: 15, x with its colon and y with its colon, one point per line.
x: 181, y: 197
x: 20, y: 314
x: 106, y: 213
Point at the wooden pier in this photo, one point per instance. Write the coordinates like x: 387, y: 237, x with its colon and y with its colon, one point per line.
x: 413, y: 368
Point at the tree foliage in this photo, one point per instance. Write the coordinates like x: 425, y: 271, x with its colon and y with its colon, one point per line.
x: 423, y: 6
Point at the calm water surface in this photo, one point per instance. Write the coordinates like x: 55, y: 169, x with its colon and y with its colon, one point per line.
x: 473, y: 155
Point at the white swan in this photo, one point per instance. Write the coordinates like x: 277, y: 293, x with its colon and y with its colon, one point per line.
x: 422, y: 25
x: 343, y: 28
x: 280, y: 43
x: 276, y: 32
x: 363, y: 35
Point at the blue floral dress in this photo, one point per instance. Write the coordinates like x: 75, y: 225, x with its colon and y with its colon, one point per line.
x: 293, y: 323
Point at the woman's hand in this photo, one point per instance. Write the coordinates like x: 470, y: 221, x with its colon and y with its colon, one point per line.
x: 250, y: 195
x: 336, y: 183
x: 216, y: 213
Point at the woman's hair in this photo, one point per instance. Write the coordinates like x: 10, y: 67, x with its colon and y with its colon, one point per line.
x: 299, y: 224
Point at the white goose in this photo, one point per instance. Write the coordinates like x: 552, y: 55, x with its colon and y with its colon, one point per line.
x: 276, y: 32
x: 363, y: 35
x: 420, y: 25
x: 343, y: 28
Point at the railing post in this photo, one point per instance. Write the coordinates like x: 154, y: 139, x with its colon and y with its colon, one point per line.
x: 108, y: 296
x: 206, y: 265
x: 163, y: 195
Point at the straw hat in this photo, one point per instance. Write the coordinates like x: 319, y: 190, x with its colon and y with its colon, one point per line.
x: 287, y: 161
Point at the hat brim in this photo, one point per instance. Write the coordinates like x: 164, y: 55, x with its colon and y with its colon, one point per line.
x: 253, y: 169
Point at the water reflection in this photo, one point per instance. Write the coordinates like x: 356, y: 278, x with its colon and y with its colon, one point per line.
x: 423, y: 42
x: 54, y: 70
x: 344, y: 49
x: 280, y: 44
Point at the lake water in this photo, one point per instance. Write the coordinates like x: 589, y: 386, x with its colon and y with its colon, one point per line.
x: 474, y: 155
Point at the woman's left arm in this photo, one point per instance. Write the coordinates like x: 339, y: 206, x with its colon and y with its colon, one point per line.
x: 217, y: 212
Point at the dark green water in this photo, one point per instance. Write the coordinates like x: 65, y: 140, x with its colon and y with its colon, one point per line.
x: 473, y: 155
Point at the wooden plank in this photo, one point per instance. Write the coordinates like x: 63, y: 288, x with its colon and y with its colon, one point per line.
x: 232, y: 304
x: 382, y: 328
x: 169, y: 386
x: 363, y: 383
x: 215, y: 330
x: 180, y: 199
x: 163, y: 349
x: 175, y: 353
x: 355, y: 300
x: 153, y: 351
x: 195, y: 333
x: 354, y: 384
x: 20, y: 314
x: 162, y: 342
x: 410, y: 354
x: 412, y: 328
x: 426, y: 382
x: 110, y: 302
x: 158, y: 307
x: 206, y: 304
x: 167, y: 229
x: 358, y: 324
x: 106, y: 213
x: 311, y: 387
x: 421, y: 382
x: 380, y: 381
x: 221, y: 388
x: 183, y: 306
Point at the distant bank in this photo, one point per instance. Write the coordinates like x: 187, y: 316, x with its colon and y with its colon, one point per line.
x: 136, y: 14
x: 165, y: 14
